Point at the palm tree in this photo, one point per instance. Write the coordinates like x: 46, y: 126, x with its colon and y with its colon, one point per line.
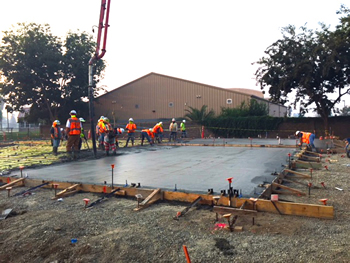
x: 199, y: 116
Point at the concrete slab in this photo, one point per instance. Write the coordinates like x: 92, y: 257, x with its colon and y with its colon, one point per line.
x: 192, y: 168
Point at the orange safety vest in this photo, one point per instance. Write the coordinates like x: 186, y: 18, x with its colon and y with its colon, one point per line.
x: 102, y: 127
x: 55, y: 132
x: 157, y: 128
x: 148, y: 132
x: 131, y: 127
x: 75, y: 128
x: 306, y: 137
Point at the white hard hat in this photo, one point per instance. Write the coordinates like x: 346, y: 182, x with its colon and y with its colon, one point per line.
x: 297, y: 132
x: 57, y: 122
x: 131, y: 119
x: 73, y: 112
x: 106, y: 119
x: 184, y: 121
x: 160, y: 124
x: 81, y: 120
x: 173, y: 119
x: 150, y: 129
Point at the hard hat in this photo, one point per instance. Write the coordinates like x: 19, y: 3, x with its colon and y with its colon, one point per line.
x: 57, y: 122
x: 173, y: 119
x: 161, y: 124
x: 131, y: 119
x: 81, y: 120
x: 184, y: 121
x: 297, y: 133
x: 73, y: 112
x: 106, y: 119
x: 150, y: 129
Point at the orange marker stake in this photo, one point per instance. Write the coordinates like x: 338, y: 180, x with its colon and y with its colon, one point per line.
x: 186, y: 254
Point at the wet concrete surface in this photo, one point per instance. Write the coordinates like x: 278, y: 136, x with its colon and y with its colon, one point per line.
x: 186, y: 168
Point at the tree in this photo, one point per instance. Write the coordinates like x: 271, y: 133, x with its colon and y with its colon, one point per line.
x: 41, y: 71
x: 199, y: 116
x: 313, y: 65
x: 253, y: 108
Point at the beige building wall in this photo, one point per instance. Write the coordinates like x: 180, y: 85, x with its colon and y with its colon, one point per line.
x: 157, y: 96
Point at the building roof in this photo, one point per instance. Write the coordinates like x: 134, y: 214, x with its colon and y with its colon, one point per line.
x: 251, y: 92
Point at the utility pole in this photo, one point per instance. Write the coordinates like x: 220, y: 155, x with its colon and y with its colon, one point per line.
x: 102, y: 24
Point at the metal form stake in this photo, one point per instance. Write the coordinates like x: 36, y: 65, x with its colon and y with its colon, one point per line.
x: 112, y: 165
x: 229, y: 189
x: 309, y: 185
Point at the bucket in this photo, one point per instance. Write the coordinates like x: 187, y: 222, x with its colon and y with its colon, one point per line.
x: 274, y: 197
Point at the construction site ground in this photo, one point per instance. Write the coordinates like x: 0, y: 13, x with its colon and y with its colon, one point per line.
x: 40, y: 229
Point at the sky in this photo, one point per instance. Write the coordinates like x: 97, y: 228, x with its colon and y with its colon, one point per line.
x: 210, y: 42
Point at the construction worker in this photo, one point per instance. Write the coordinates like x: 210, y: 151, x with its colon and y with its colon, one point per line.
x: 148, y: 134
x: 56, y: 136
x: 183, y: 129
x: 158, y: 132
x: 73, y: 130
x: 102, y: 130
x: 173, y: 130
x: 109, y: 138
x: 131, y: 127
x: 118, y: 131
x: 306, y: 137
x: 82, y: 134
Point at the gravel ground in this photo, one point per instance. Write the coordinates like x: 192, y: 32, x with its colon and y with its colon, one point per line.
x: 41, y: 230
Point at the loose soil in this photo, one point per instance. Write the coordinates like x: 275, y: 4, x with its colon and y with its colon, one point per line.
x: 40, y: 229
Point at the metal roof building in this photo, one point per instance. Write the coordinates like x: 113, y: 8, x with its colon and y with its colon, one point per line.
x: 156, y: 97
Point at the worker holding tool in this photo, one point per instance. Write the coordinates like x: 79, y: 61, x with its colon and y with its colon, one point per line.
x: 73, y: 130
x: 131, y: 127
x: 307, y: 138
x: 173, y: 130
x: 118, y: 131
x: 82, y: 134
x: 158, y: 132
x: 148, y: 134
x: 56, y: 136
x: 183, y: 129
x: 109, y: 138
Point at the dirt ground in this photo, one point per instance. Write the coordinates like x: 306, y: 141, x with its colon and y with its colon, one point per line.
x: 40, y: 229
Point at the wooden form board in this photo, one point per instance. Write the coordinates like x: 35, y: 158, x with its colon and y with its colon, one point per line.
x: 286, y: 208
x: 20, y: 180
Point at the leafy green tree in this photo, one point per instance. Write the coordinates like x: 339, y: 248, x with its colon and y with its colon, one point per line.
x: 42, y: 71
x: 313, y: 65
x: 253, y: 108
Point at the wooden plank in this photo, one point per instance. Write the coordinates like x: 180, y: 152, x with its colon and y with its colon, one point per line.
x: 69, y: 190
x: 297, y: 173
x: 303, y: 164
x: 20, y: 180
x: 288, y: 188
x: 225, y: 210
x: 149, y: 197
x: 287, y: 208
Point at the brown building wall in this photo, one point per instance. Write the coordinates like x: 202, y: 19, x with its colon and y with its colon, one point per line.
x: 157, y: 96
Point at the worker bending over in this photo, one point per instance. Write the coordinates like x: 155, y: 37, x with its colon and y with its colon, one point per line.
x: 307, y: 138
x: 158, y: 132
x: 148, y: 134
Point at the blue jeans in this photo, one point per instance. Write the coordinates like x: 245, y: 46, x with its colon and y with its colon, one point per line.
x: 56, y: 142
x: 311, y: 141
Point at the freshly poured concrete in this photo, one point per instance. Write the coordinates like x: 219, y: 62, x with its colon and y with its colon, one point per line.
x: 190, y: 168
